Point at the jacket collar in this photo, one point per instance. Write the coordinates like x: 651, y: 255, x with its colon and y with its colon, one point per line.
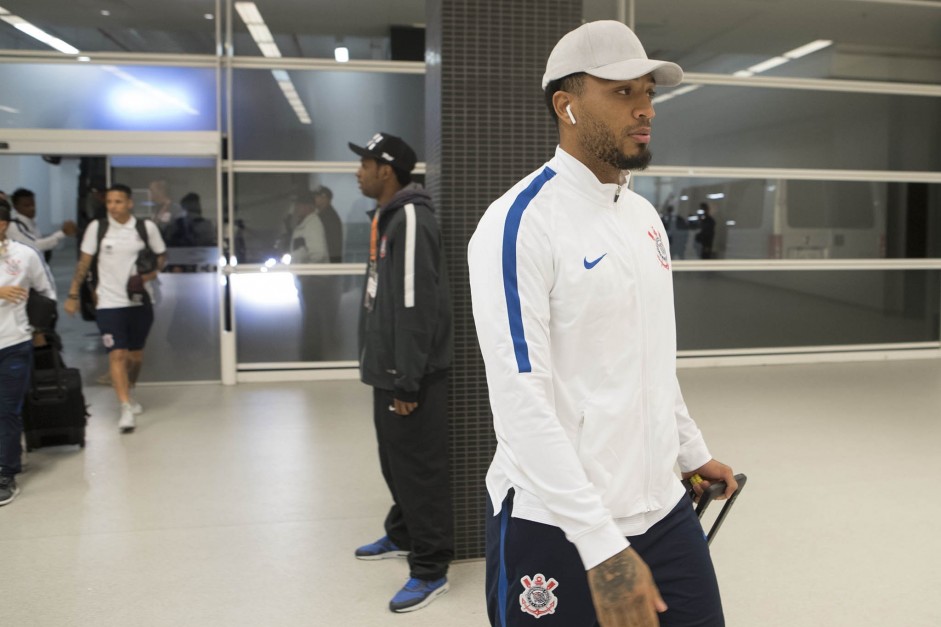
x: 584, y: 182
x: 30, y: 223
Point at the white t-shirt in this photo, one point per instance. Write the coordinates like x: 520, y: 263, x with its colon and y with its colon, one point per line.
x: 309, y: 241
x: 116, y: 263
x: 23, y: 266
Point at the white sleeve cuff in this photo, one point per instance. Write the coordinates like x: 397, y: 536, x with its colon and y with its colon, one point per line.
x: 693, y: 454
x: 600, y: 543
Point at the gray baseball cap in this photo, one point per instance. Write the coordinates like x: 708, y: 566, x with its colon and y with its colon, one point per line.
x: 607, y: 49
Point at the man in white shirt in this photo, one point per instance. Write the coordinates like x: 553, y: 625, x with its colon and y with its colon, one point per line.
x: 573, y: 302
x: 23, y: 224
x: 21, y: 269
x: 124, y: 309
x: 308, y: 238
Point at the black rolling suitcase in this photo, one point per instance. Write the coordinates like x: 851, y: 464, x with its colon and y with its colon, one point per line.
x: 54, y: 411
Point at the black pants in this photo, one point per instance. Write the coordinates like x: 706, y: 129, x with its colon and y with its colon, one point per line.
x: 413, y: 454
x: 675, y: 549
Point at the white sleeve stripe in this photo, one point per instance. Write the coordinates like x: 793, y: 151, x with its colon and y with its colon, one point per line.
x: 409, y: 255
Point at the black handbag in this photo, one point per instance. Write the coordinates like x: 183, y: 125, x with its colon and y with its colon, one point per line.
x: 41, y: 311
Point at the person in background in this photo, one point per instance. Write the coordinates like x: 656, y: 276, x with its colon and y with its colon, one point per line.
x: 23, y: 225
x: 572, y: 296
x: 21, y: 269
x: 164, y: 210
x: 707, y: 231
x: 332, y: 225
x: 124, y: 309
x: 405, y: 347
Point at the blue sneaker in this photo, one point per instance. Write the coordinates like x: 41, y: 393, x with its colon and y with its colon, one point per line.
x: 417, y: 593
x: 381, y: 549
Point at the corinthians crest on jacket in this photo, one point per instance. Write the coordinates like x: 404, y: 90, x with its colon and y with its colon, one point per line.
x: 657, y: 238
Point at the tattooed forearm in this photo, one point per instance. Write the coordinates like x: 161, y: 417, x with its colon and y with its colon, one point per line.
x: 612, y: 577
x: 84, y: 263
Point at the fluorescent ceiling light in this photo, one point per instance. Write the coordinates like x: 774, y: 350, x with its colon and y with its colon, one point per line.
x: 7, y: 109
x: 291, y: 95
x: 764, y: 66
x: 804, y: 50
x: 743, y: 73
x: 341, y: 54
x: 105, y: 12
x: 36, y: 33
x: 270, y: 50
x: 84, y: 59
x: 259, y: 31
x: 715, y: 196
x: 249, y: 13
x: 209, y: 16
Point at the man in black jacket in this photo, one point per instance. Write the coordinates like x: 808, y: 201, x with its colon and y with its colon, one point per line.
x: 405, y: 351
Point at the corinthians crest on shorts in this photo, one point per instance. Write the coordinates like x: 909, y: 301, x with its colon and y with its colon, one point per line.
x: 537, y: 598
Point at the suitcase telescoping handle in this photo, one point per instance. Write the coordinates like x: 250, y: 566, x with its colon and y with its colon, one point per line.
x: 710, y: 494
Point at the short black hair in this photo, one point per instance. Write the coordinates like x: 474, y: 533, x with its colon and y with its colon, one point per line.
x: 22, y: 192
x: 403, y: 177
x: 572, y: 83
x: 191, y: 203
x: 5, y: 213
x: 322, y: 190
x: 118, y: 187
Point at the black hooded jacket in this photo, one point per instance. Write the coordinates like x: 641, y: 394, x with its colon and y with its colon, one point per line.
x: 407, y: 334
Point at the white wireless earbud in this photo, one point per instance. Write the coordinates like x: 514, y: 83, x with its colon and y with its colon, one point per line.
x: 568, y: 109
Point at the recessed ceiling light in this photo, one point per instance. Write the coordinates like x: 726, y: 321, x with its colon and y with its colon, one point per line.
x: 209, y: 16
x: 105, y: 12
x: 84, y: 59
x: 341, y: 54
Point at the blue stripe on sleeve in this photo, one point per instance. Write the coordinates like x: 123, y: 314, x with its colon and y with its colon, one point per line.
x: 510, y: 286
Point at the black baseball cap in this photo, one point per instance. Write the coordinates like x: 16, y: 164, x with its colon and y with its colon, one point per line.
x: 389, y: 149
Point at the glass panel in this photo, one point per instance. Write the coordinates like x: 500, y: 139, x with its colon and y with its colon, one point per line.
x: 797, y: 219
x: 729, y: 310
x: 879, y: 41
x: 263, y: 214
x: 783, y: 128
x: 367, y: 29
x: 179, y: 194
x: 281, y: 317
x: 184, y: 28
x: 342, y: 107
x: 107, y: 97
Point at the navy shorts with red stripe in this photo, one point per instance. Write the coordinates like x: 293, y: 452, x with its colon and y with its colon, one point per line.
x: 536, y: 577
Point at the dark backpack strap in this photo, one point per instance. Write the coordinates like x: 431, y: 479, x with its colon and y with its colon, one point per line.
x: 142, y: 231
x: 102, y: 231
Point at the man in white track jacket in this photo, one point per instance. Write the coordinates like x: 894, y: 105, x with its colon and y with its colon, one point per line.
x: 573, y: 302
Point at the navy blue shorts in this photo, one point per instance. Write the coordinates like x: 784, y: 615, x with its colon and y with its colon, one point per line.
x: 126, y: 327
x: 535, y: 574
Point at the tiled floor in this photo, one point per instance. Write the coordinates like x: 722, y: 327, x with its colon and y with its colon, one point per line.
x: 241, y: 506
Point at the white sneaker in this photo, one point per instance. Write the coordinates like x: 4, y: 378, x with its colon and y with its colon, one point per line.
x: 136, y: 408
x: 126, y: 422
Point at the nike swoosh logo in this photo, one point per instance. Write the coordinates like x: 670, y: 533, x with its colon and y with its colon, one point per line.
x: 591, y: 264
